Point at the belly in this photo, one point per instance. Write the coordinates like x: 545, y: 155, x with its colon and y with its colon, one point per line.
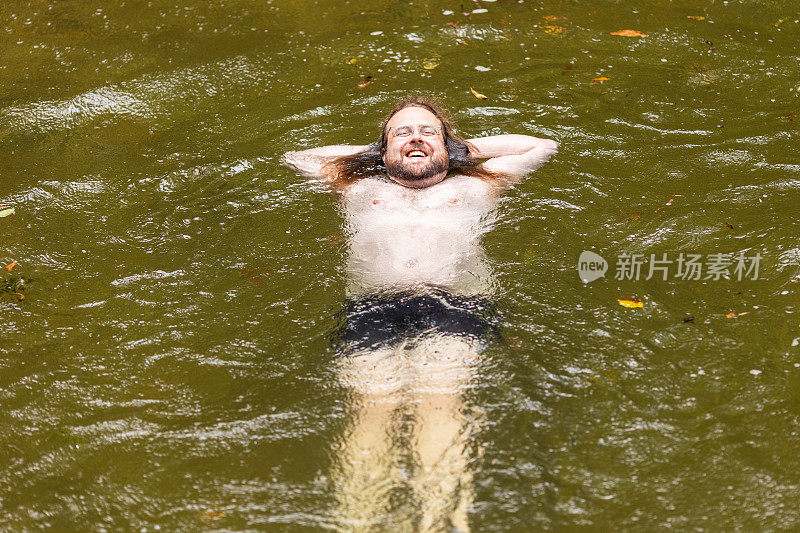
x: 410, y: 255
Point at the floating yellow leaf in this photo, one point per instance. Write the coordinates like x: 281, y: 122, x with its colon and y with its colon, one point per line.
x: 630, y: 303
x: 478, y: 95
x: 11, y: 266
x: 734, y: 315
x: 6, y: 210
x: 695, y: 17
x: 599, y: 80
x: 352, y: 60
x: 554, y: 29
x: 430, y: 63
x: 629, y: 33
x: 780, y: 21
x: 211, y: 515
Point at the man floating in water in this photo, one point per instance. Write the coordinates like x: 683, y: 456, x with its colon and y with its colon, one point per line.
x: 417, y: 203
x: 419, y: 309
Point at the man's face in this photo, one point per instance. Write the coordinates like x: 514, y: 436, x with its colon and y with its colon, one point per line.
x: 415, y: 154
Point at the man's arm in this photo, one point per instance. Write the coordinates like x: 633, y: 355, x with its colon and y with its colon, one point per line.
x: 311, y: 162
x: 514, y: 155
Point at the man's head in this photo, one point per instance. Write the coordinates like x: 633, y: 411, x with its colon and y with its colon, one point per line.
x: 416, y: 123
x: 414, y: 145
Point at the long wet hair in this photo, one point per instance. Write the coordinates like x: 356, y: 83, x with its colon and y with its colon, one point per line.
x: 369, y: 162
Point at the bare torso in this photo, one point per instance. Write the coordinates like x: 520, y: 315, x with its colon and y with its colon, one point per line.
x: 407, y: 239
x: 412, y: 240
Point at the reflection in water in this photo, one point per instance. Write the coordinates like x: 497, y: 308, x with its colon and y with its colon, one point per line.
x: 403, y: 462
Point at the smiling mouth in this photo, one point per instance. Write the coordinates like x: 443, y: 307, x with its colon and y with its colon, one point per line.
x: 416, y: 154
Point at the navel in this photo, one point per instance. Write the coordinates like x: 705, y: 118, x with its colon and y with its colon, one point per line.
x: 376, y: 202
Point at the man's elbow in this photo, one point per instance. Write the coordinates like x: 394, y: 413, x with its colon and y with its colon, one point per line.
x: 289, y: 159
x: 550, y: 146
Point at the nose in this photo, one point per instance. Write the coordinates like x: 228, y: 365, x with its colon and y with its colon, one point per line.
x: 416, y: 134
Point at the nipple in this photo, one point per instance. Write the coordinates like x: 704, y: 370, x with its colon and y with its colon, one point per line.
x: 454, y: 201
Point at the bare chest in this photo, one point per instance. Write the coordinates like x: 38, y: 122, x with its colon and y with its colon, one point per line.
x: 455, y: 197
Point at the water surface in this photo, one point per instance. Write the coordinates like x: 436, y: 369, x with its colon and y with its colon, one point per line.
x: 170, y: 365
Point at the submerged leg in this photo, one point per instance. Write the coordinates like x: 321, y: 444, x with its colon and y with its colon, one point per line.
x: 368, y: 473
x: 443, y: 483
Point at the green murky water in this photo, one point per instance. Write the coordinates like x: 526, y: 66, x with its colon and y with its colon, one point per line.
x: 170, y: 364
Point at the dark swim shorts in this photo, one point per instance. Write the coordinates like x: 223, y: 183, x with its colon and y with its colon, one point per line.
x: 387, y: 320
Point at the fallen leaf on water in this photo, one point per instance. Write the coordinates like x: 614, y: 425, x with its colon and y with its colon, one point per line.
x: 631, y: 303
x: 11, y: 266
x: 669, y: 202
x: 781, y: 21
x: 729, y: 225
x: 552, y: 17
x: 430, y: 63
x: 629, y: 33
x: 689, y: 318
x: 211, y: 515
x: 478, y: 95
x: 599, y: 80
x: 19, y: 295
x: 695, y: 17
x: 734, y: 315
x: 453, y: 24
x: 366, y: 81
x: 554, y: 29
x: 460, y: 42
x: 6, y: 210
x: 352, y: 60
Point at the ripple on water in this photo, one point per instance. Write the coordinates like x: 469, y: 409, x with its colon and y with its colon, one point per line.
x: 52, y: 115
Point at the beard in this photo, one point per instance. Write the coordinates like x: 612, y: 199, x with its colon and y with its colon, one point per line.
x: 398, y: 169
